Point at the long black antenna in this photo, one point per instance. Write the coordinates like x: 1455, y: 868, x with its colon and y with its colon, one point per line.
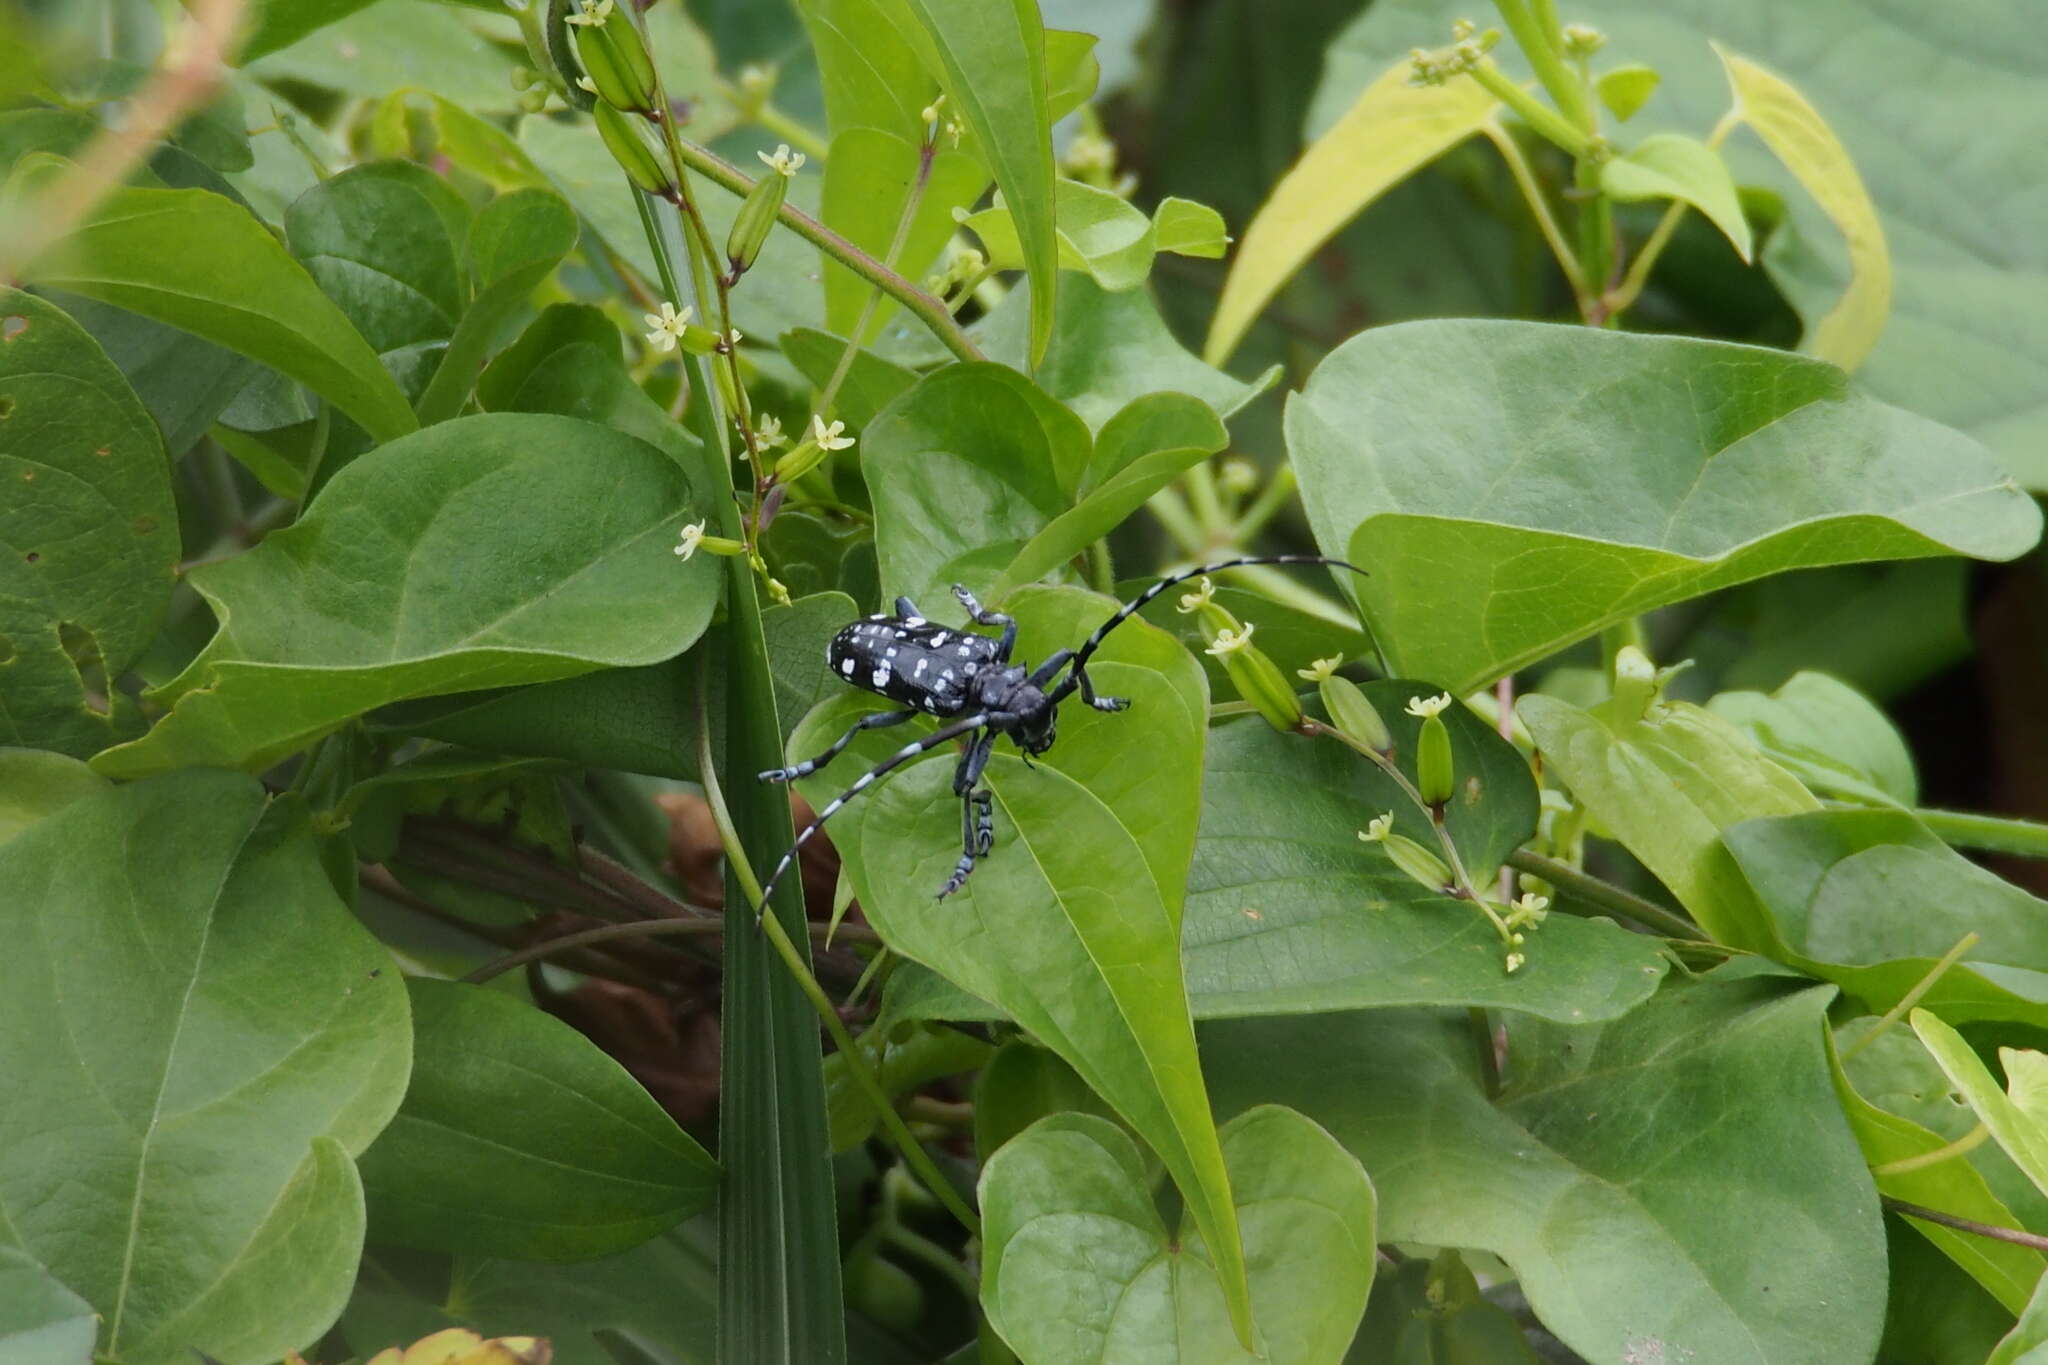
x: 1138, y: 603
x: 934, y: 740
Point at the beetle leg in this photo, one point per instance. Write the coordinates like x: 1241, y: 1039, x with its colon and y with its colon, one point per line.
x: 811, y: 765
x: 981, y: 616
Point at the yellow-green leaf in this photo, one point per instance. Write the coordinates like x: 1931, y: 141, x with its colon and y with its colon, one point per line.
x: 1798, y: 136
x: 1673, y: 166
x: 1392, y: 131
x: 1624, y: 89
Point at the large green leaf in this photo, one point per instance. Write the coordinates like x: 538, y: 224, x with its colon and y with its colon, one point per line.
x: 185, y: 383
x: 519, y: 1138
x: 1109, y: 349
x: 1666, y: 784
x: 1829, y: 735
x: 203, y: 1036
x: 1288, y: 913
x: 991, y: 62
x: 1079, y: 1268
x: 381, y: 240
x: 393, y: 44
x: 980, y: 478
x: 1970, y: 270
x: 661, y: 1297
x: 88, y: 532
x: 1504, y: 515
x: 515, y: 244
x: 490, y: 550
x: 280, y: 23
x: 1083, y: 888
x: 870, y: 65
x: 41, y: 1322
x: 1871, y: 900
x: 201, y: 262
x: 35, y: 783
x: 1690, y: 1161
x: 868, y: 182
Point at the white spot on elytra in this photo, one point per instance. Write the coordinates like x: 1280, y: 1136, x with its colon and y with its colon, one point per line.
x: 913, y: 620
x: 881, y: 677
x: 846, y: 667
x: 941, y: 638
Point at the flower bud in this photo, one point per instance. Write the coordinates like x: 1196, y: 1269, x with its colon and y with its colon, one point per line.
x: 1257, y: 678
x: 750, y: 227
x: 1434, y: 774
x: 1354, y: 715
x: 1417, y: 862
x: 629, y: 148
x: 614, y: 56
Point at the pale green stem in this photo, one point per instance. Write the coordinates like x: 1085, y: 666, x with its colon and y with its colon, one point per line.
x: 1632, y: 285
x: 1539, y: 116
x: 874, y: 298
x: 1525, y: 180
x: 1546, y: 61
x: 914, y: 1154
x: 1914, y: 996
x: 1962, y: 1146
x: 1988, y: 833
x: 1267, y: 505
x: 1570, y: 881
x: 916, y: 301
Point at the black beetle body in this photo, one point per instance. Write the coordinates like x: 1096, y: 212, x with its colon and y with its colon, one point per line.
x: 969, y: 681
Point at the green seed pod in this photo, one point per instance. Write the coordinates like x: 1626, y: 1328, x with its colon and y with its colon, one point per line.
x: 1433, y: 772
x: 799, y: 461
x: 756, y: 217
x: 1259, y: 681
x: 616, y: 60
x: 1353, y: 714
x: 629, y: 148
x: 1257, y: 678
x: 1418, y: 862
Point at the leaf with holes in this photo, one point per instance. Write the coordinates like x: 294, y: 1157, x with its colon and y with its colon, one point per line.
x: 485, y: 551
x: 1079, y: 1266
x: 1504, y: 516
x: 1083, y: 887
x: 519, y: 1138
x: 208, y: 1036
x: 88, y: 533
x: 1762, y: 1245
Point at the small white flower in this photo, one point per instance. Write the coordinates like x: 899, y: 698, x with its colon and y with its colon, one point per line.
x: 784, y: 162
x: 1199, y: 598
x: 931, y: 111
x: 1319, y: 670
x: 693, y: 536
x: 1091, y: 152
x: 1378, y: 828
x: 595, y: 12
x: 1532, y: 905
x: 768, y: 430
x: 728, y: 343
x: 756, y: 80
x: 1229, y: 641
x: 1514, y: 963
x: 586, y: 85
x: 1425, y: 707
x: 668, y: 324
x: 828, y: 437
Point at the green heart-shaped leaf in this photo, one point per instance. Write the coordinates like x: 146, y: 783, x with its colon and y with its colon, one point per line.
x: 1079, y: 1268
x: 1504, y: 515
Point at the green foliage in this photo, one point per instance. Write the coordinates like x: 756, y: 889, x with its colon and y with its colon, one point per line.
x: 417, y: 544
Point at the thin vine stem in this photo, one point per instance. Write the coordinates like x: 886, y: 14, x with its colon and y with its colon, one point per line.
x: 857, y: 1066
x: 926, y: 152
x: 918, y: 302
x: 609, y: 933
x: 1913, y: 996
x: 1532, y: 192
x: 1955, y: 1220
x: 1606, y: 896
